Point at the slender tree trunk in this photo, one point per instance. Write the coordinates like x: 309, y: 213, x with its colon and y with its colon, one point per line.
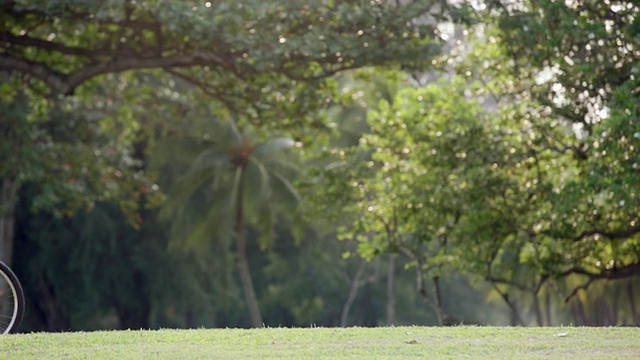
x: 353, y: 292
x: 609, y: 310
x: 615, y: 309
x: 579, y: 314
x: 515, y: 319
x: 243, y: 265
x: 538, y: 310
x: 598, y: 313
x: 547, y: 307
x: 8, y: 198
x: 443, y: 318
x: 422, y: 291
x: 635, y: 316
x: 391, y: 291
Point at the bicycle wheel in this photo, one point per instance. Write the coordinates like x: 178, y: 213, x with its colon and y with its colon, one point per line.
x: 11, y: 300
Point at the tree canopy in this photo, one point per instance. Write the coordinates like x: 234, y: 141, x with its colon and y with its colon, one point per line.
x: 519, y: 168
x: 66, y: 43
x: 492, y: 142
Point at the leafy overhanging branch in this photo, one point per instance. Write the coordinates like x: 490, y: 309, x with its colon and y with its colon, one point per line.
x: 143, y: 37
x: 28, y: 41
x: 614, y: 273
x: 619, y: 234
x: 66, y: 84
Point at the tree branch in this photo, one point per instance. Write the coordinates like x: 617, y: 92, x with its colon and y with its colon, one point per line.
x: 614, y: 273
x: 495, y: 280
x: 621, y: 234
x: 25, y: 40
x: 66, y: 84
x: 510, y: 304
x: 584, y: 286
x: 54, y: 79
x: 223, y: 95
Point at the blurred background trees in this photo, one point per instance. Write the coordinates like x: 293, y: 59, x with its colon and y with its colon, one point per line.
x: 296, y: 163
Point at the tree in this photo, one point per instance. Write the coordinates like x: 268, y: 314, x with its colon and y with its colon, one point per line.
x: 540, y: 199
x: 327, y: 199
x: 389, y: 190
x: 576, y: 62
x: 436, y: 193
x: 236, y: 183
x: 75, y: 150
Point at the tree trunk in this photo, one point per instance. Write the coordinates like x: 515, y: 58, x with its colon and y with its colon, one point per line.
x: 392, y: 318
x: 579, y: 315
x: 598, y: 312
x: 635, y: 316
x: 547, y: 307
x: 615, y: 308
x: 8, y: 197
x: 441, y: 314
x: 537, y: 310
x: 353, y: 292
x: 515, y: 319
x: 243, y: 265
x: 422, y: 291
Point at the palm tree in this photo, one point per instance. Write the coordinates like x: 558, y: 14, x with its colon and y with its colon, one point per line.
x: 233, y: 184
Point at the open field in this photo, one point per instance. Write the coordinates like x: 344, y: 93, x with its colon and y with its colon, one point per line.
x: 316, y: 343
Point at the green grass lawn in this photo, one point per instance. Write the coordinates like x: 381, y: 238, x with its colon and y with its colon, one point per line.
x: 314, y: 343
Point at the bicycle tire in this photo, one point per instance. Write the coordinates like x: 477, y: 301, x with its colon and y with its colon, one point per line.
x: 11, y: 300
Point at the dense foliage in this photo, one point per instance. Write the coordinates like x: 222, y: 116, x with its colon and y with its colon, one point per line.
x: 220, y: 163
x: 518, y: 170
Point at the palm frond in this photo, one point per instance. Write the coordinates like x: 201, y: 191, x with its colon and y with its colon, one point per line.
x: 257, y: 174
x: 285, y: 165
x: 182, y: 192
x: 273, y: 148
x: 203, y: 220
x: 237, y: 134
x: 264, y: 220
x: 235, y: 188
x: 215, y: 226
x: 284, y: 187
x: 210, y: 158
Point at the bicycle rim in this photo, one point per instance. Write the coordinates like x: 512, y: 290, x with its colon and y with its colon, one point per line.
x: 11, y: 300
